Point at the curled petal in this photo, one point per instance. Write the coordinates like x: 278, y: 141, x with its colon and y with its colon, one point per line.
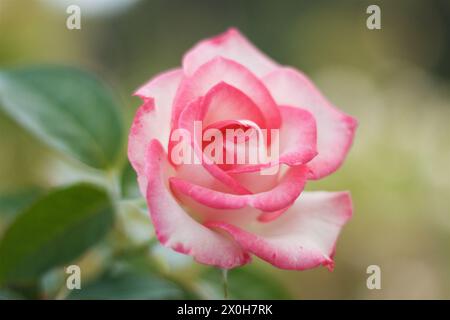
x: 303, y: 237
x: 220, y: 70
x: 282, y: 195
x: 297, y: 141
x: 222, y: 103
x: 335, y: 129
x: 175, y: 228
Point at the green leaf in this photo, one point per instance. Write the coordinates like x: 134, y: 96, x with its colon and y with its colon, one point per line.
x: 66, y: 108
x: 12, y: 203
x: 133, y: 274
x: 54, y: 231
x: 245, y: 283
x: 129, y: 285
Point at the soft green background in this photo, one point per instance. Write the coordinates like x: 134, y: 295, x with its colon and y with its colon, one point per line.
x: 395, y: 81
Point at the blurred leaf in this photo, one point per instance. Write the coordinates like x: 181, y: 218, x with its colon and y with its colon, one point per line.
x: 66, y: 108
x: 53, y: 231
x: 12, y: 203
x: 6, y: 294
x: 246, y: 283
x: 139, y: 259
x: 129, y: 186
x: 129, y: 284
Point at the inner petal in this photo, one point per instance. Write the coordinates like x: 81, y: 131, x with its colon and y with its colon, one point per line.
x: 227, y: 103
x: 240, y: 141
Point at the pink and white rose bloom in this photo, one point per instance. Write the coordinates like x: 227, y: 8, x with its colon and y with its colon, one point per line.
x: 222, y: 214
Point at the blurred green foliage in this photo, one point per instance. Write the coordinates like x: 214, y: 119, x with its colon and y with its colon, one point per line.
x: 66, y: 108
x: 395, y: 81
x: 56, y: 229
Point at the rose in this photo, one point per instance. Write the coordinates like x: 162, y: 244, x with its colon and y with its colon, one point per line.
x: 222, y: 213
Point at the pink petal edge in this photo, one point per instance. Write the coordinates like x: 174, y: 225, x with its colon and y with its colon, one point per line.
x: 304, y: 237
x: 232, y: 45
x: 335, y: 129
x: 176, y: 229
x: 284, y: 194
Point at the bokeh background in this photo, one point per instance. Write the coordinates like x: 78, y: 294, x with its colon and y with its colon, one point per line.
x: 395, y: 81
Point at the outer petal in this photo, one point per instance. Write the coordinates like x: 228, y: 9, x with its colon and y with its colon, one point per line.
x: 231, y: 45
x: 223, y: 70
x: 161, y: 89
x: 283, y: 195
x: 335, y: 130
x: 303, y: 237
x: 152, y: 120
x: 175, y: 228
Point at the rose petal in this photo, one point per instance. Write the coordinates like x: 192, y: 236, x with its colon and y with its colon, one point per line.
x: 202, y: 213
x: 257, y: 182
x: 175, y: 228
x: 335, y: 129
x: 283, y: 195
x: 232, y: 45
x: 303, y: 237
x: 271, y: 215
x: 297, y: 139
x: 224, y: 102
x: 219, y: 70
x: 220, y: 103
x: 156, y: 110
x: 162, y: 90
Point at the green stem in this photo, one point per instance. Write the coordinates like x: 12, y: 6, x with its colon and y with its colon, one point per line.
x: 225, y: 283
